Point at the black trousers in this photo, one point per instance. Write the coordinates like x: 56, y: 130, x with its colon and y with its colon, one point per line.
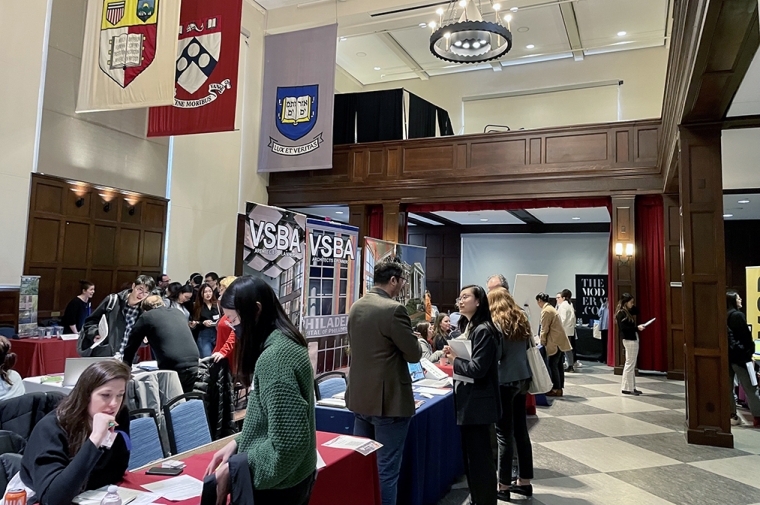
x: 296, y: 495
x: 604, y: 345
x: 556, y: 370
x: 478, y: 463
x: 511, y: 433
x: 187, y: 377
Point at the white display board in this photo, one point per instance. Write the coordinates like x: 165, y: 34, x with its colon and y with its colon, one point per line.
x: 525, y: 289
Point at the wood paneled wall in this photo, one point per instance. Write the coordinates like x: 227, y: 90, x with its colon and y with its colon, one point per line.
x: 80, y: 231
x: 623, y: 269
x: 444, y: 256
x: 674, y: 287
x: 9, y: 307
x: 592, y: 159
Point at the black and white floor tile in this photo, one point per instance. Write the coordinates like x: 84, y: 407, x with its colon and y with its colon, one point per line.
x: 595, y: 446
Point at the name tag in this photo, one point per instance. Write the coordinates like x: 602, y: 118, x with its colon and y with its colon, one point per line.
x: 216, y: 317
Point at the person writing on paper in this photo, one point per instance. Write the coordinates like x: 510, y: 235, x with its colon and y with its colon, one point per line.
x: 11, y: 384
x: 478, y: 403
x: 625, y: 317
x: 424, y: 337
x: 206, y: 316
x: 741, y: 347
x: 79, y: 308
x: 117, y: 314
x: 555, y: 342
x: 84, y: 443
x: 279, y: 431
x: 514, y: 381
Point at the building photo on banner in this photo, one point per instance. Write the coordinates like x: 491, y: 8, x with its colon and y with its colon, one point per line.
x: 413, y: 262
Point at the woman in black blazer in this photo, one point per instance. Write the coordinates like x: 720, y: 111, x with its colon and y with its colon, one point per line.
x: 625, y: 317
x: 477, y: 403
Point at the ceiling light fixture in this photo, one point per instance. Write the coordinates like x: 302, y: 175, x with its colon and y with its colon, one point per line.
x: 423, y: 25
x: 377, y: 68
x: 463, y: 37
x: 484, y: 220
x: 342, y: 39
x: 576, y: 219
x: 622, y: 34
x: 514, y: 9
x: 743, y: 201
x: 529, y: 46
x: 728, y: 215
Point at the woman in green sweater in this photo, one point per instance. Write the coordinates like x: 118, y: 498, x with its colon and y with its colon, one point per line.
x: 279, y: 433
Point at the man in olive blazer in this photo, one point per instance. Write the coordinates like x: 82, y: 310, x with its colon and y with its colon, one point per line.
x: 379, y: 384
x: 554, y: 339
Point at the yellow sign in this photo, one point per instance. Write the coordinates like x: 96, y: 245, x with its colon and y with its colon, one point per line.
x: 753, y: 300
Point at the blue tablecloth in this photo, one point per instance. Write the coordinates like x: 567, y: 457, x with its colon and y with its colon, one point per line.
x: 432, y: 454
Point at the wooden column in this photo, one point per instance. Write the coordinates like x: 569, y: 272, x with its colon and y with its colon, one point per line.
x: 358, y: 215
x: 673, y: 286
x: 394, y: 223
x: 623, y: 269
x: 704, y: 288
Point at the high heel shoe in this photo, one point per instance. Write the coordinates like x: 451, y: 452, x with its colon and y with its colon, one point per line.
x: 526, y: 490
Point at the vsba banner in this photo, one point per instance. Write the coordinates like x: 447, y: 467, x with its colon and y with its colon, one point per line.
x: 206, y: 71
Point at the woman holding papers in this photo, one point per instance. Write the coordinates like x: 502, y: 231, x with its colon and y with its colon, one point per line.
x: 514, y: 380
x: 279, y: 434
x: 740, y: 350
x: 476, y: 393
x: 625, y: 316
x: 84, y: 443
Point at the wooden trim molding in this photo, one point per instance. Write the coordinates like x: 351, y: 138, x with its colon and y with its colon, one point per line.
x: 9, y: 299
x: 673, y: 286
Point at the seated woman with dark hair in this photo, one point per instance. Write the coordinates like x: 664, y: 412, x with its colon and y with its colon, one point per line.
x: 11, y: 384
x: 424, y: 333
x: 84, y: 443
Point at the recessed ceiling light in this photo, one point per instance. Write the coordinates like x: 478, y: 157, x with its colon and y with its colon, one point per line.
x: 484, y: 219
x: 423, y: 25
x: 361, y: 54
x: 622, y: 34
x: 514, y: 9
x: 377, y: 68
x: 529, y: 46
x: 728, y: 215
x: 523, y: 29
x: 743, y: 201
x: 342, y: 39
x: 439, y: 11
x: 339, y: 212
x: 576, y: 219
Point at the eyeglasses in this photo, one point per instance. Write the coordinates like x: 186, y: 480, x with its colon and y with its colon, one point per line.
x: 463, y: 298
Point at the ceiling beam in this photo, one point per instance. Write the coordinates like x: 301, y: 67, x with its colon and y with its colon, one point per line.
x: 525, y: 216
x: 348, y: 75
x: 438, y: 219
x: 394, y: 46
x: 712, y: 46
x: 571, y: 27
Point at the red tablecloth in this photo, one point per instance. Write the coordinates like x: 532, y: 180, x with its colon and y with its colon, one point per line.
x: 35, y: 357
x: 530, y: 401
x: 348, y: 479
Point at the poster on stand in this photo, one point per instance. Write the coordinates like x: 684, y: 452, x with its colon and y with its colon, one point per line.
x: 412, y: 259
x: 274, y: 249
x: 753, y: 301
x: 330, y: 277
x: 29, y: 292
x: 590, y: 293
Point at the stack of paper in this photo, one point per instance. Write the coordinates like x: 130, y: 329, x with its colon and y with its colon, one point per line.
x: 332, y: 402
x: 128, y: 496
x: 361, y: 445
x: 179, y: 488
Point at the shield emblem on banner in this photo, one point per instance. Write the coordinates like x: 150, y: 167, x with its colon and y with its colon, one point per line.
x: 197, y: 57
x: 128, y: 36
x: 296, y: 111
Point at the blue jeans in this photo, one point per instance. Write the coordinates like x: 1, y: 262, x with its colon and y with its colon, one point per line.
x: 206, y: 342
x: 391, y: 432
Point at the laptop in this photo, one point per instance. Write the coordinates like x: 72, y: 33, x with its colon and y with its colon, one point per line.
x: 74, y: 368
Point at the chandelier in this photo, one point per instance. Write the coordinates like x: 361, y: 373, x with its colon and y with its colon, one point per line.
x: 461, y: 35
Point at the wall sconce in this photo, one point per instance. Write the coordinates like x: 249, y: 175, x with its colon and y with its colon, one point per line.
x: 80, y: 202
x: 131, y: 210
x: 619, y: 252
x: 106, y: 206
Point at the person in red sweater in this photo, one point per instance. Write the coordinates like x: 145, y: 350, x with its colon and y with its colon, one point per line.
x: 225, y: 335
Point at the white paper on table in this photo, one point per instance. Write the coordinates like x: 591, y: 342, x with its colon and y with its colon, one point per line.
x: 332, y: 402
x: 179, y: 488
x: 433, y: 391
x: 361, y: 445
x: 70, y: 336
x: 340, y: 396
x: 320, y: 462
x: 102, y: 331
x: 752, y: 373
x: 128, y: 496
x: 433, y: 370
x: 649, y: 322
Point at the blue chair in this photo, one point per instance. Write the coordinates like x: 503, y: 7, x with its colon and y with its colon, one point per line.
x: 8, y: 332
x: 146, y: 442
x: 329, y: 384
x: 186, y: 422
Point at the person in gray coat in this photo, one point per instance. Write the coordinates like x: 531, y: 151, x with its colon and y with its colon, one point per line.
x: 379, y: 386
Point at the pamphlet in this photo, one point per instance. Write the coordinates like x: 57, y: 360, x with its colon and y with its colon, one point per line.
x: 361, y: 445
x: 320, y: 462
x: 463, y: 350
x: 179, y: 488
x: 418, y: 404
x: 433, y: 370
x: 102, y: 331
x: 649, y: 322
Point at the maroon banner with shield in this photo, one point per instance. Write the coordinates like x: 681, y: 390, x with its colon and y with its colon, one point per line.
x: 205, y: 93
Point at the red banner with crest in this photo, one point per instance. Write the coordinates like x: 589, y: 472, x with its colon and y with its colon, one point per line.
x: 208, y: 49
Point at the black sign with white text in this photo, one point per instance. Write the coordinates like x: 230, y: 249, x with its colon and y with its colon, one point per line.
x: 590, y: 293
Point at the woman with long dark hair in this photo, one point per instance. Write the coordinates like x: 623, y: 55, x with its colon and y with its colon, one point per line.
x: 477, y: 401
x: 741, y: 347
x: 206, y: 315
x: 514, y: 380
x: 84, y: 443
x: 177, y: 295
x: 441, y: 331
x: 279, y: 433
x: 625, y: 316
x: 11, y: 384
x: 424, y: 333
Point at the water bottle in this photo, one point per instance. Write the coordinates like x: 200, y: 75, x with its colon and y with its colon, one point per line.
x: 111, y: 497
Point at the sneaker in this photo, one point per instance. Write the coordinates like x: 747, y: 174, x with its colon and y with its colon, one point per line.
x: 578, y: 364
x: 735, y: 421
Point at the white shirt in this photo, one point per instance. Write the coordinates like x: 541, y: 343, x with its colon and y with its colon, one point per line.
x: 567, y: 316
x: 8, y: 391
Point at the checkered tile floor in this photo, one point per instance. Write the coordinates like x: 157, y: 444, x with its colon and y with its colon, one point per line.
x: 595, y: 446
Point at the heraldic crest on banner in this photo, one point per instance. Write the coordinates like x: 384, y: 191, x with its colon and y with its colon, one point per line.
x: 128, y: 37
x: 296, y: 115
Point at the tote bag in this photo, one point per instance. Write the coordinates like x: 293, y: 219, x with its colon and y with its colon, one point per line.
x: 542, y: 381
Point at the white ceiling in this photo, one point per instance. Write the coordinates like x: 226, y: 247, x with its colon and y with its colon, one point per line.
x: 480, y: 217
x: 747, y: 99
x: 735, y: 211
x: 556, y: 215
x: 331, y: 212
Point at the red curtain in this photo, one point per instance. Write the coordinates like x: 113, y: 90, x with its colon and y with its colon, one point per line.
x: 650, y: 281
x: 376, y: 222
x: 567, y: 203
